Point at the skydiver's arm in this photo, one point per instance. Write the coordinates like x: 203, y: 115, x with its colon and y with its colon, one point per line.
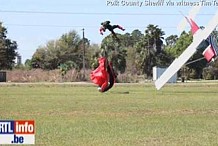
x: 102, y: 29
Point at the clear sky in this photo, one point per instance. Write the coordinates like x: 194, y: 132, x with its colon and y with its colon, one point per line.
x: 32, y: 23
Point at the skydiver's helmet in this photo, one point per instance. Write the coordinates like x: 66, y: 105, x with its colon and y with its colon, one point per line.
x: 105, y: 24
x: 108, y: 22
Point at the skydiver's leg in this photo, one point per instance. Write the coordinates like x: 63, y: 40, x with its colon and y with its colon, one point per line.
x: 118, y: 26
x: 115, y: 36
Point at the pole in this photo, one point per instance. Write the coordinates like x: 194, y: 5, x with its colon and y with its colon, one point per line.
x: 83, y: 53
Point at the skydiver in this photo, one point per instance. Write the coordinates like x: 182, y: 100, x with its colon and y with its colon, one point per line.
x: 104, y: 75
x: 106, y: 25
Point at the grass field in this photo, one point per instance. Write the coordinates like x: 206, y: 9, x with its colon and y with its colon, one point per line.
x: 78, y: 115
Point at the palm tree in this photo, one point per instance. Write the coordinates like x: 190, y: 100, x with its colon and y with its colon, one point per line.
x: 152, y: 46
x: 155, y: 37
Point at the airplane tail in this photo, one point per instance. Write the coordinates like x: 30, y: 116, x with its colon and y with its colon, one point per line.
x: 194, y: 26
x: 210, y: 52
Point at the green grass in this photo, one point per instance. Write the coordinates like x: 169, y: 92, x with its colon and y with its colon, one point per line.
x: 78, y: 115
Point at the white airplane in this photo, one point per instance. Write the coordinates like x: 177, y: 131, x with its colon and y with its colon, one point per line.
x: 199, y: 35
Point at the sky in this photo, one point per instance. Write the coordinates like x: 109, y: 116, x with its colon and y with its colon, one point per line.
x: 32, y: 23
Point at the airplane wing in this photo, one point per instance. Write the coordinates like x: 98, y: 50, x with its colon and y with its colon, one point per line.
x: 183, y: 58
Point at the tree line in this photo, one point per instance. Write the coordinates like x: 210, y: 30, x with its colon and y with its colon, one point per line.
x: 135, y: 53
x: 8, y: 50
